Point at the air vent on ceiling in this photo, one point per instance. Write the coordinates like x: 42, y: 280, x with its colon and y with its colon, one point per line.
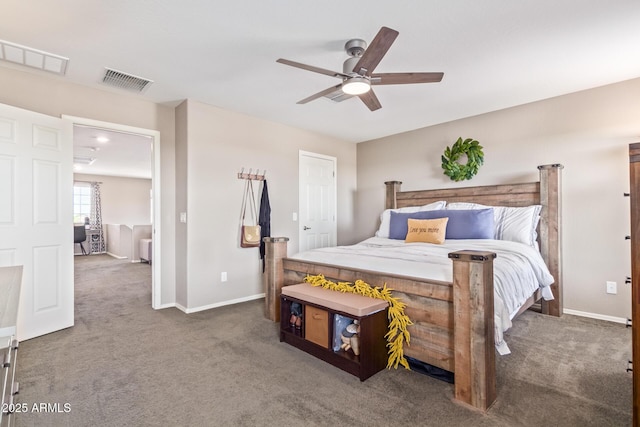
x: 338, y: 96
x: 33, y: 58
x: 80, y: 160
x: 125, y: 81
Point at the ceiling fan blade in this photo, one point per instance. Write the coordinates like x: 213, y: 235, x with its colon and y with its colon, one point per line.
x: 376, y: 50
x: 370, y: 100
x: 405, y: 78
x: 320, y: 94
x: 312, y: 68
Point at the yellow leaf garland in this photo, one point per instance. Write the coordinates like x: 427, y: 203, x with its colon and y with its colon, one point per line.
x: 398, y: 321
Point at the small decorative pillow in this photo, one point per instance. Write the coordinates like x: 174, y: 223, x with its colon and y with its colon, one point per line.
x: 426, y: 230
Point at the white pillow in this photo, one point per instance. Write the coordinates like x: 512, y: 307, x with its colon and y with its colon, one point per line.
x: 515, y: 224
x: 385, y: 216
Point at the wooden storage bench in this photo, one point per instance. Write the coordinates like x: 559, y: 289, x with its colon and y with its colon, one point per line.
x: 316, y: 334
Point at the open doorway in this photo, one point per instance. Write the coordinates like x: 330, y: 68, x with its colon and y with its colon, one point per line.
x: 124, y: 163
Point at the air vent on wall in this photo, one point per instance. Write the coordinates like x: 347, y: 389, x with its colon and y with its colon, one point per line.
x: 125, y: 81
x: 33, y: 58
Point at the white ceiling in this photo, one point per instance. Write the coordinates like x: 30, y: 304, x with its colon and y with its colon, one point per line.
x: 122, y: 154
x: 494, y: 53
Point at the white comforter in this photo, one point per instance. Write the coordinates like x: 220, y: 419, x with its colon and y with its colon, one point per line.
x: 519, y: 270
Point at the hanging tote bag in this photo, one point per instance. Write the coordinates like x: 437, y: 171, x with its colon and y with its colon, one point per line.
x: 249, y: 234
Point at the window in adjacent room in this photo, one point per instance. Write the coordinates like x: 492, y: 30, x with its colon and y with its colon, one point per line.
x: 81, y: 202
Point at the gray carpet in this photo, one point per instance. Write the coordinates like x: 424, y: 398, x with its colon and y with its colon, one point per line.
x: 124, y: 364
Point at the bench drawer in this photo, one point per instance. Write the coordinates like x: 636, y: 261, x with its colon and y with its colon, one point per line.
x: 316, y: 325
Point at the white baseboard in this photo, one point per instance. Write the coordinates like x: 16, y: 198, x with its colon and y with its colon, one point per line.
x: 596, y: 316
x: 116, y: 256
x: 169, y: 305
x: 219, y: 304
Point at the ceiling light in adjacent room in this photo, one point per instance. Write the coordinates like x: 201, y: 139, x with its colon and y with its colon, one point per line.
x: 356, y: 85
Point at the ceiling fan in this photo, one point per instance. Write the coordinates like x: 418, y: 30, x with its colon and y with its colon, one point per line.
x: 358, y: 76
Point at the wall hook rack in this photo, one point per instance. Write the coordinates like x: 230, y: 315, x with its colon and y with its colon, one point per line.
x: 252, y: 176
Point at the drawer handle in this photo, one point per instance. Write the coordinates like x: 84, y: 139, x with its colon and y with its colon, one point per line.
x: 317, y: 316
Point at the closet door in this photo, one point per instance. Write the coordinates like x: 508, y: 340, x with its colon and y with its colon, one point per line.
x: 317, y: 198
x: 36, y: 216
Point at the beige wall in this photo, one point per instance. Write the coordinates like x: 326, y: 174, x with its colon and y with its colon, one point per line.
x: 217, y: 145
x: 55, y: 97
x: 203, y: 170
x: 182, y: 252
x: 124, y: 200
x: 588, y: 132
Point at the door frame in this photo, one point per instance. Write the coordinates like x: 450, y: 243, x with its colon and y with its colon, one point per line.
x: 334, y: 160
x: 156, y: 171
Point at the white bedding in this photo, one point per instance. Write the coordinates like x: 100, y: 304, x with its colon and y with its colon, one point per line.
x: 519, y: 270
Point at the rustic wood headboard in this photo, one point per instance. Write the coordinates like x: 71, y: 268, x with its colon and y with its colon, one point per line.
x: 546, y: 192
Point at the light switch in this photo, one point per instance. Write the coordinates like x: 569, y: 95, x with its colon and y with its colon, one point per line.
x: 183, y: 217
x: 295, y: 216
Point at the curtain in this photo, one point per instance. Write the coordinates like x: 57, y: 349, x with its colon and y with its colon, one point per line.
x: 95, y: 221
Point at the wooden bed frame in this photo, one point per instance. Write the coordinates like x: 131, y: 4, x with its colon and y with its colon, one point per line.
x: 453, y: 322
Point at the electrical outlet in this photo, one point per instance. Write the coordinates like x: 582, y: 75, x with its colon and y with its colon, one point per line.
x: 223, y: 276
x: 612, y: 288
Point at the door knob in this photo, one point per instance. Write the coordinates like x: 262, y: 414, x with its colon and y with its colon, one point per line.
x: 306, y: 228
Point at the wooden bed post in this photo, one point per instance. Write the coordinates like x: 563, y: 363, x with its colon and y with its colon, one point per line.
x: 634, y: 195
x: 551, y: 233
x: 473, y: 328
x: 393, y: 187
x: 273, y: 276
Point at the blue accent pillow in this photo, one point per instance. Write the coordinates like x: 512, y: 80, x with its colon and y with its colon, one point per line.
x: 462, y: 224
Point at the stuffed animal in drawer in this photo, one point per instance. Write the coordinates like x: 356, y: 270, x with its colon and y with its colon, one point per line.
x: 350, y: 339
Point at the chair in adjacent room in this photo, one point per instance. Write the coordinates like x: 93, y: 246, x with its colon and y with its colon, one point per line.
x: 79, y: 236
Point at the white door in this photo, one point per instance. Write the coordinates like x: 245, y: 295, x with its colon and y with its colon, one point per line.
x: 36, y: 218
x: 317, y: 201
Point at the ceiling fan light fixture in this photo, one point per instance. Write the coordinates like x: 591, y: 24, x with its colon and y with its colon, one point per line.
x: 356, y: 85
x: 358, y: 75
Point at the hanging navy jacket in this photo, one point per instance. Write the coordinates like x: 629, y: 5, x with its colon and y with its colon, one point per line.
x: 264, y: 219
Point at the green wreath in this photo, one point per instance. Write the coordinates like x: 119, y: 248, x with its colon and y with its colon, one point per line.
x: 475, y: 158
